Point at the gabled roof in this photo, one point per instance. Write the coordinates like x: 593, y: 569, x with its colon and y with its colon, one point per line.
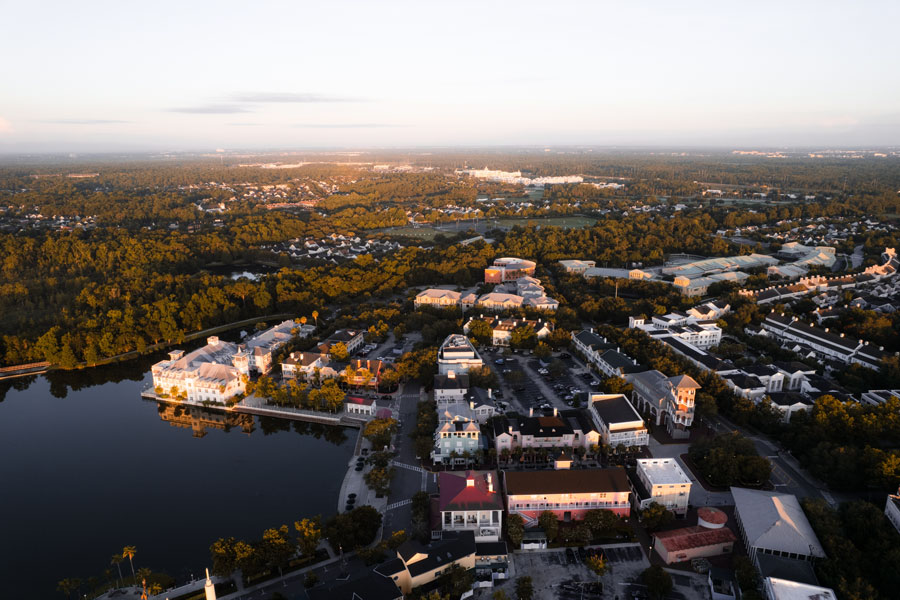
x: 456, y: 494
x: 776, y: 522
x: 684, y: 381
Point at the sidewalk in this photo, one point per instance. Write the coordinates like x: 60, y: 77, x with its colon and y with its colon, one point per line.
x: 354, y: 483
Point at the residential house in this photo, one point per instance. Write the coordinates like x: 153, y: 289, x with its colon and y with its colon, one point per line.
x: 470, y: 501
x: 417, y: 564
x: 614, y: 363
x: 306, y: 366
x: 501, y: 329
x: 745, y: 386
x: 457, y: 434
x: 497, y: 302
x: 794, y: 373
x: 450, y: 388
x: 362, y: 585
x: 563, y: 429
x: 356, y: 405
x: 590, y: 345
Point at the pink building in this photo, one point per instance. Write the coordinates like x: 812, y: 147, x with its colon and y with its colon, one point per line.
x: 568, y: 494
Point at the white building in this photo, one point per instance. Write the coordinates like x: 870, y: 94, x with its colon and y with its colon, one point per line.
x: 207, y: 374
x: 437, y: 297
x: 669, y: 399
x: 664, y: 482
x: 577, y: 266
x: 784, y: 589
x: 617, y: 421
x: 703, y: 334
x: 774, y: 524
x: 457, y: 354
x: 450, y: 388
x: 892, y: 510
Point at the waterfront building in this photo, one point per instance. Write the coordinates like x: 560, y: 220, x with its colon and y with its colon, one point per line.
x: 207, y: 374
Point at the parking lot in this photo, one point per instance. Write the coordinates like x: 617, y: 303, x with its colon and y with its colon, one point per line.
x: 562, y: 574
x: 528, y: 385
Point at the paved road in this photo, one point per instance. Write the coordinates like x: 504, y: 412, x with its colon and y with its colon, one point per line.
x: 787, y: 474
x: 410, y: 477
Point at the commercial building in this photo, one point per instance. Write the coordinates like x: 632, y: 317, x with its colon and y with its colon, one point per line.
x: 670, y: 400
x: 567, y: 494
x: 508, y: 269
x: 892, y: 510
x: 437, y: 297
x: 774, y: 524
x: 709, y: 538
x: 661, y: 480
x: 617, y: 421
x: 784, y: 589
x: 577, y: 266
x: 457, y: 354
x: 450, y: 388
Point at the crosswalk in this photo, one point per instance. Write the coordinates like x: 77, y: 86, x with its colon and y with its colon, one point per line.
x: 398, y: 504
x: 410, y: 467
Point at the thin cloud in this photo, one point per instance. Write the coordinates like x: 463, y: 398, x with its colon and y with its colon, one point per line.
x: 346, y: 125
x: 244, y: 124
x: 5, y: 126
x: 212, y: 109
x: 84, y: 121
x: 288, y: 98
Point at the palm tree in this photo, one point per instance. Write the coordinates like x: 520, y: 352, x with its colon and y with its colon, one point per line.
x: 67, y: 586
x: 144, y: 574
x: 156, y: 589
x: 129, y: 552
x: 315, y: 315
x: 303, y: 320
x: 117, y: 560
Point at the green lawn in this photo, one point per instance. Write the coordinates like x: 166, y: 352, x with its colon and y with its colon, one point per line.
x: 564, y: 222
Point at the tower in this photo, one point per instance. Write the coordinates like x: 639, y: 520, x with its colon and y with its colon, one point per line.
x: 209, y: 588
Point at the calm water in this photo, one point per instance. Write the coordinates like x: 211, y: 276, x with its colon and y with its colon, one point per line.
x: 87, y: 467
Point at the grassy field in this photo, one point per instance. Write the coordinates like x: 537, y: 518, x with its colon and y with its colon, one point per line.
x: 564, y: 222
x: 423, y: 233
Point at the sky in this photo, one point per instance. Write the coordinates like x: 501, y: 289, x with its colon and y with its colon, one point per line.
x: 193, y: 75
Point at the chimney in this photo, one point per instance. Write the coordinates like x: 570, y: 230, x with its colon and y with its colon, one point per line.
x: 451, y: 374
x: 490, y: 483
x: 490, y: 393
x: 554, y: 411
x: 470, y: 479
x: 471, y: 405
x: 531, y: 412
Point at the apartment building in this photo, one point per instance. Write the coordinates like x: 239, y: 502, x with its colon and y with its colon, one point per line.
x: 569, y: 494
x: 663, y: 481
x: 617, y: 421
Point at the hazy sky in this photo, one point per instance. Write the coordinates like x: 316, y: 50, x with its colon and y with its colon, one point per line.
x: 192, y: 75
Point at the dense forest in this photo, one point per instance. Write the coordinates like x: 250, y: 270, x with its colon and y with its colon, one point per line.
x: 147, y: 268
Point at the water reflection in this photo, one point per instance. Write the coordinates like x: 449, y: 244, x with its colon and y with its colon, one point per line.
x: 198, y: 419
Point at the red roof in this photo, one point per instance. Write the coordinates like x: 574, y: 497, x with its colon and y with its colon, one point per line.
x: 456, y: 494
x: 358, y: 400
x: 712, y: 515
x: 694, y: 537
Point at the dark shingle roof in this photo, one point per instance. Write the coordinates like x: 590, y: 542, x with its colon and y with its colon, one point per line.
x: 566, y: 482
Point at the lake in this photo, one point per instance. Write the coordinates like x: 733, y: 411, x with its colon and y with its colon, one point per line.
x: 88, y: 467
